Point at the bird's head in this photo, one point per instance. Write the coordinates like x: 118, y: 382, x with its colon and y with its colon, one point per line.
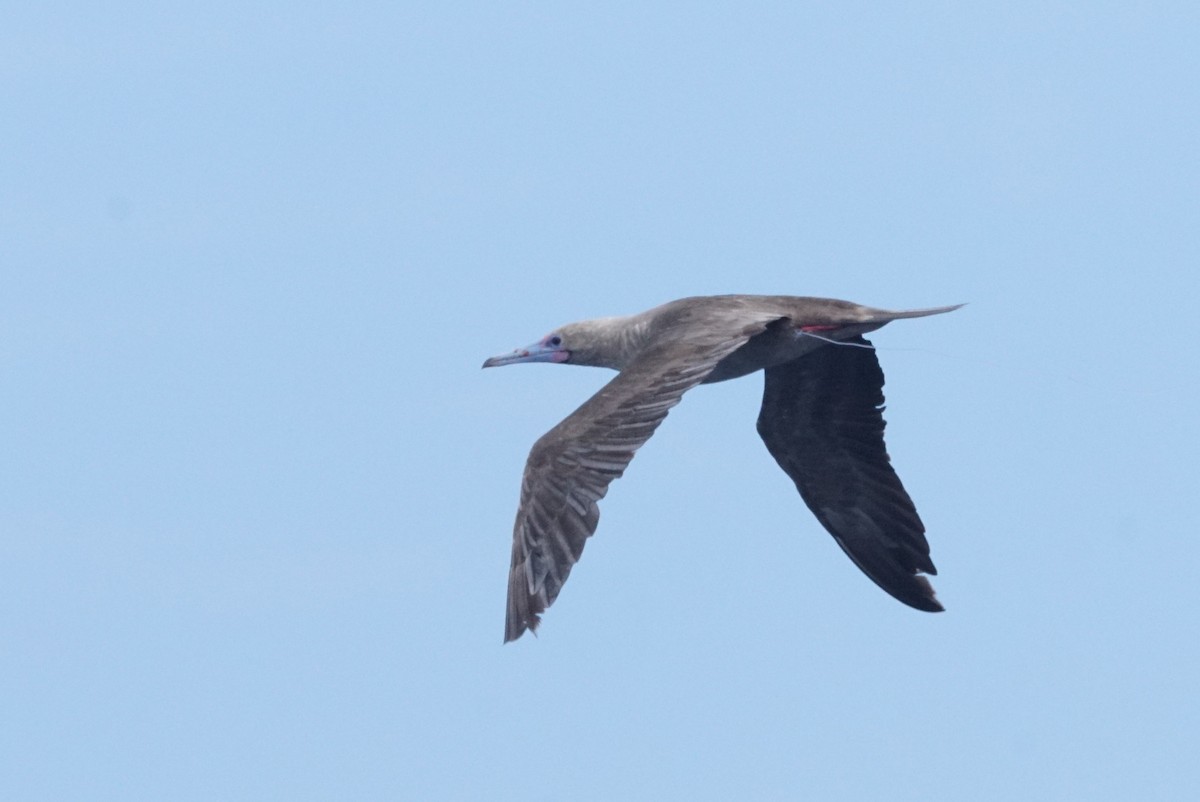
x: 551, y: 348
x: 603, y: 342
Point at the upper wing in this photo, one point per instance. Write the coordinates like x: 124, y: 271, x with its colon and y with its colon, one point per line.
x: 822, y: 420
x: 571, y: 466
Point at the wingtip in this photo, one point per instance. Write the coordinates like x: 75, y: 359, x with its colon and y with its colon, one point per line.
x: 926, y: 599
x: 514, y: 630
x: 935, y: 606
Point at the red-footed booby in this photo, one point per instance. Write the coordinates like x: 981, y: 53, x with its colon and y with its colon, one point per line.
x: 821, y: 419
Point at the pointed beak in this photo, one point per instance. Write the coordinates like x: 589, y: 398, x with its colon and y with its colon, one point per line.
x: 533, y: 353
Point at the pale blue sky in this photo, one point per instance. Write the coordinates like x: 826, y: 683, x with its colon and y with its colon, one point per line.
x: 256, y: 495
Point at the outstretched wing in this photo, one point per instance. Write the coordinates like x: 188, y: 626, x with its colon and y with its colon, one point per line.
x: 571, y: 466
x: 822, y: 420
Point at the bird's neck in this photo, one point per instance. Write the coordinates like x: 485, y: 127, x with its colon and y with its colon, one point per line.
x: 615, y: 341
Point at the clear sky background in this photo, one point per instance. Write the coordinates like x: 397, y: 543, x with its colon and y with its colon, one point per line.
x: 256, y: 495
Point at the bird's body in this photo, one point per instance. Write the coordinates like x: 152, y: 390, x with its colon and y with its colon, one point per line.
x: 821, y: 419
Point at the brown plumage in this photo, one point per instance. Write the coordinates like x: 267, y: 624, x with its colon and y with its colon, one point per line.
x: 821, y: 419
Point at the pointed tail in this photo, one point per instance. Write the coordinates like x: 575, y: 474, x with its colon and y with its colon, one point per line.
x: 885, y: 315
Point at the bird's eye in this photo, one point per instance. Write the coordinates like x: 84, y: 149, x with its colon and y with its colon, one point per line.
x: 554, y: 341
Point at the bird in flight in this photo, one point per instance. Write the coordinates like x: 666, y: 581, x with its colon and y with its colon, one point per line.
x: 821, y: 419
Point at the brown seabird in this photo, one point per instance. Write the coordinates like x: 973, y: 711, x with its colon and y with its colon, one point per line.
x: 821, y: 418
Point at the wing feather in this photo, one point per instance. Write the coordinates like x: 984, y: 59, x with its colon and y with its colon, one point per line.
x: 822, y: 420
x: 571, y: 466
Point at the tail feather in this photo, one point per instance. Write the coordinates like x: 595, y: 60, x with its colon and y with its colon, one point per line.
x: 885, y: 315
